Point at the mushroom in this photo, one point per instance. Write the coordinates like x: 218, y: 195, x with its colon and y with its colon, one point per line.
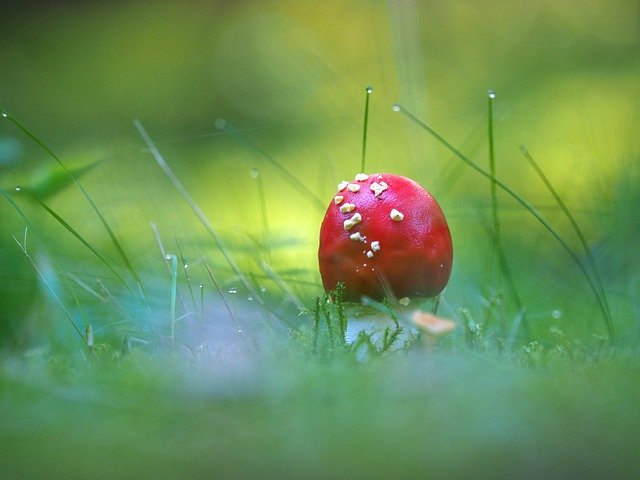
x: 392, y: 240
x: 433, y: 327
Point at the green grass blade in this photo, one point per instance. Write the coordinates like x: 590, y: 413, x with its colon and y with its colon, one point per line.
x: 576, y: 228
x: 23, y: 247
x: 185, y: 267
x: 15, y: 206
x: 222, y: 297
x: 528, y: 207
x: 194, y: 206
x: 634, y: 290
x: 86, y: 287
x: 497, y: 237
x: 75, y: 233
x: 279, y: 281
x: 174, y: 286
x: 316, y: 324
x: 266, y: 235
x: 55, y: 180
x: 95, y: 208
x: 368, y: 91
x: 286, y: 174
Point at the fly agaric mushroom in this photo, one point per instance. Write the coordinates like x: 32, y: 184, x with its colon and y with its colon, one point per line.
x: 384, y: 235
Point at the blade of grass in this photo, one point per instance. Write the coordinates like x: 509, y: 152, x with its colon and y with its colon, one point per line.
x: 86, y: 287
x: 576, y: 228
x: 286, y: 174
x: 194, y: 206
x: 529, y: 208
x: 73, y: 232
x: 266, y: 236
x: 23, y: 247
x: 222, y: 297
x: 113, y: 302
x: 497, y: 237
x: 56, y: 180
x: 93, y: 205
x: 76, y: 300
x: 368, y: 91
x: 185, y: 266
x: 15, y: 206
x: 163, y: 252
x: 316, y: 324
x: 634, y: 290
x: 278, y: 280
x: 174, y: 286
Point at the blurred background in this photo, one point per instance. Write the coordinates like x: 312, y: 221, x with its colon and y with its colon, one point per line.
x: 289, y: 76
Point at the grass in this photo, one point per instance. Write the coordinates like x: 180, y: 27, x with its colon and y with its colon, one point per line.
x: 231, y: 386
x: 532, y: 210
x: 553, y: 413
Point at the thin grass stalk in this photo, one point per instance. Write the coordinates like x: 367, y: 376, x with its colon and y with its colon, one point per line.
x: 266, y: 235
x: 166, y: 258
x: 327, y: 316
x: 77, y: 302
x: 576, y: 228
x: 497, y: 236
x: 82, y: 240
x: 316, y: 324
x: 86, y: 287
x: 201, y: 287
x: 163, y: 252
x: 529, y: 208
x: 635, y: 294
x: 492, y: 171
x: 174, y: 287
x: 286, y: 174
x: 194, y: 206
x: 23, y: 247
x: 93, y: 205
x: 111, y: 298
x: 368, y: 91
x: 15, y: 206
x: 88, y: 329
x: 339, y: 304
x: 281, y: 283
x: 222, y: 297
x: 185, y: 267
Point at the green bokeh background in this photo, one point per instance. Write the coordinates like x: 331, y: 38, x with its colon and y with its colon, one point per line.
x: 290, y: 76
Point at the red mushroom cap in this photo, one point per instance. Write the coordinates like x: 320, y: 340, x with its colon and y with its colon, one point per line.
x: 384, y: 234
